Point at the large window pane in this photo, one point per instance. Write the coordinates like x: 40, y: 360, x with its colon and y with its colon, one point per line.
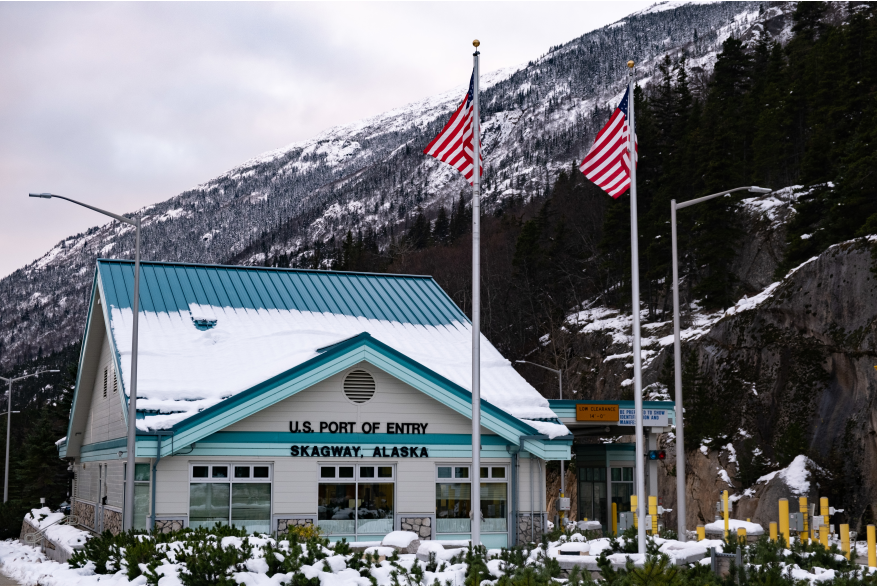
x: 208, y: 504
x: 493, y: 507
x: 336, y: 508
x: 375, y: 508
x: 453, y: 505
x: 251, y: 506
x: 141, y: 505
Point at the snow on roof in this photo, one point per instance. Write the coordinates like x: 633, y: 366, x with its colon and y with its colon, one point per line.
x: 193, y: 358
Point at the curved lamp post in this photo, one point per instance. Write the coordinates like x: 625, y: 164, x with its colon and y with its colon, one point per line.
x: 677, y: 353
x: 128, y: 521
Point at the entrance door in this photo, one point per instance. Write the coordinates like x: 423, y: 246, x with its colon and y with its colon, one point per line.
x: 592, y: 494
x: 622, y: 488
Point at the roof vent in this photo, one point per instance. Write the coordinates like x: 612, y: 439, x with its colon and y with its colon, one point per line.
x: 359, y: 386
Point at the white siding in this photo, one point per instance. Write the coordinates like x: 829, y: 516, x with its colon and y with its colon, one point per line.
x: 105, y: 419
x: 295, y: 478
x: 394, y: 401
x: 524, y: 469
x: 86, y: 481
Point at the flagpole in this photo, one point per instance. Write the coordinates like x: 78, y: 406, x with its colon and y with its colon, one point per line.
x: 476, y: 310
x: 637, y: 355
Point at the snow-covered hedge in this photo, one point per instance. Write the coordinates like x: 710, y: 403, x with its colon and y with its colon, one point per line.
x: 227, y: 556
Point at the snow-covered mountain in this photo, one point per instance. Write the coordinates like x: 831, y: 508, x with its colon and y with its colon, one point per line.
x: 537, y: 119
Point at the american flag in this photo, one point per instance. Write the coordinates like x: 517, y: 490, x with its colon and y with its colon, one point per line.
x: 455, y: 145
x: 607, y: 164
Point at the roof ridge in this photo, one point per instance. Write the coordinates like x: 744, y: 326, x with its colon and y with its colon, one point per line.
x: 261, y: 268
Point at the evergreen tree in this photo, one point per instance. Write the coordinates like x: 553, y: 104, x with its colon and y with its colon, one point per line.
x: 442, y: 229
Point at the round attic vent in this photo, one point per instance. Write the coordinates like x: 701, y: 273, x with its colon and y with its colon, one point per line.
x: 359, y: 386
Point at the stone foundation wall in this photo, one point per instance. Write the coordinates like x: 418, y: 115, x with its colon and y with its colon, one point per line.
x: 84, y: 513
x: 523, y: 525
x: 421, y: 525
x: 283, y: 524
x: 167, y: 526
x: 112, y: 521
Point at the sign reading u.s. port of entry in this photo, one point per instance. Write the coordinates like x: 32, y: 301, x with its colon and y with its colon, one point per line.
x: 597, y: 412
x: 627, y: 417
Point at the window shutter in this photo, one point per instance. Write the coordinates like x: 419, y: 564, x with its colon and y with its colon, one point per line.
x: 115, y: 382
x: 105, y: 382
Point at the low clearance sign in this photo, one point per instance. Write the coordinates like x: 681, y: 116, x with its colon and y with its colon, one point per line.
x: 597, y: 412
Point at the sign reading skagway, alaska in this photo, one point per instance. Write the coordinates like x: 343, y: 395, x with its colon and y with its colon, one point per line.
x: 356, y: 451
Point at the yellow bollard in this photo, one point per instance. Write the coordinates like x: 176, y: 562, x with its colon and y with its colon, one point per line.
x: 773, y: 531
x: 823, y: 536
x: 823, y: 507
x: 701, y: 533
x: 653, y: 511
x: 784, y: 521
x: 633, y: 505
x: 741, y: 534
x: 614, y: 519
x: 725, y: 507
x: 748, y: 519
x: 872, y: 553
x: 845, y: 540
x: 802, y: 504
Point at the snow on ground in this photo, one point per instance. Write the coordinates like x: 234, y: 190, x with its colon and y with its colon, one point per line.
x: 795, y: 476
x: 619, y: 326
x: 29, y: 566
x: 60, y: 534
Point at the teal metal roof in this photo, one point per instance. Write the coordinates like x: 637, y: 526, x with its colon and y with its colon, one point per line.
x: 171, y: 287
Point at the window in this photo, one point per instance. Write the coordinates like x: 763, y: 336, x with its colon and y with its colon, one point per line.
x: 356, y: 499
x: 622, y: 487
x: 115, y: 382
x: 238, y: 494
x: 105, y: 381
x: 141, y: 493
x: 453, y: 499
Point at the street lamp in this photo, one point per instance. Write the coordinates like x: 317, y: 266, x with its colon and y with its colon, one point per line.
x: 677, y: 353
x: 128, y: 522
x: 9, y: 413
x: 559, y: 396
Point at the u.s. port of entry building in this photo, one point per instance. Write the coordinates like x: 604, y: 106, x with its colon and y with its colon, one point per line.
x: 277, y: 397
x: 272, y: 397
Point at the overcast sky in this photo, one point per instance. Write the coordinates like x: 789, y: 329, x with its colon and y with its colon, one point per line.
x: 127, y: 104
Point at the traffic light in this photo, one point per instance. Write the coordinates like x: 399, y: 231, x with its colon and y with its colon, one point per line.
x: 657, y: 455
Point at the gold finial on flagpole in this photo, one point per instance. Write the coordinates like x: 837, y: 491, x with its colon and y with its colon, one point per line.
x: 476, y: 43
x: 630, y: 64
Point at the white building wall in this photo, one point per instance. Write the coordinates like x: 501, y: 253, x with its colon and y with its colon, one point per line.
x: 296, y: 478
x: 526, y: 467
x: 394, y: 401
x: 105, y: 418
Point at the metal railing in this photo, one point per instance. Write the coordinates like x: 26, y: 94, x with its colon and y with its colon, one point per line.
x: 38, y: 536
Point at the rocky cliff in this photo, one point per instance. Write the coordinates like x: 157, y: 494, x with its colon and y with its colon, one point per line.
x: 789, y: 370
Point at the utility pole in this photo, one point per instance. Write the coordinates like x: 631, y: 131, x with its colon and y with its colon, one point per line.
x: 9, y: 413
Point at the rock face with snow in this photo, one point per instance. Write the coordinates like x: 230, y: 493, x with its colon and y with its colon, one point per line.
x: 371, y: 175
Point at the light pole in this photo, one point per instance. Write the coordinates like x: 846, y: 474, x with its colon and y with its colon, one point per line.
x: 559, y: 396
x: 128, y: 522
x: 9, y: 413
x: 677, y: 354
